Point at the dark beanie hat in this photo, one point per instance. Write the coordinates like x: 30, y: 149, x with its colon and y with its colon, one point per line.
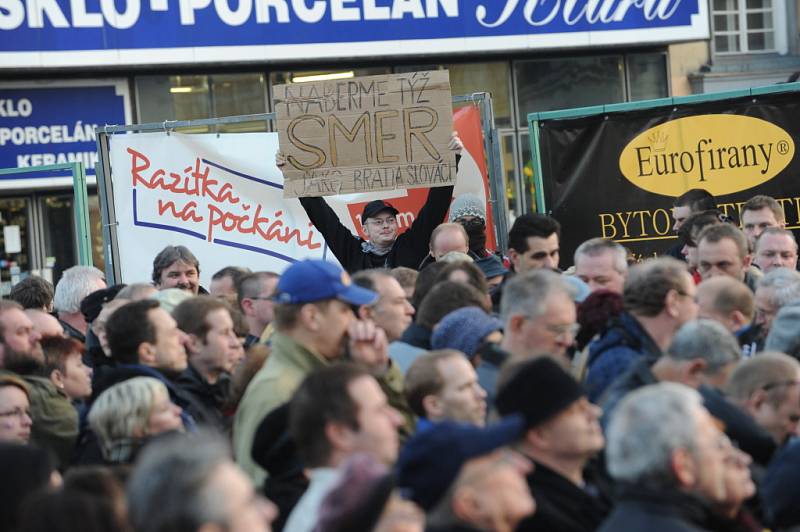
x: 92, y: 304
x: 538, y: 389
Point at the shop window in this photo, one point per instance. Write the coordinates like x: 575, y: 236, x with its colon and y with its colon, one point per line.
x: 59, y: 233
x: 528, y: 178
x: 745, y: 26
x: 195, y: 97
x: 564, y: 83
x: 96, y: 227
x: 14, y: 213
x: 647, y: 76
x: 493, y: 78
x: 508, y: 163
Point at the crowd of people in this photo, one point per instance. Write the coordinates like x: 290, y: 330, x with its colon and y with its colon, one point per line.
x: 432, y: 384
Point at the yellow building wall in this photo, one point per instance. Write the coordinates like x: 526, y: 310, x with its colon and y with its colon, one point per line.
x: 684, y: 59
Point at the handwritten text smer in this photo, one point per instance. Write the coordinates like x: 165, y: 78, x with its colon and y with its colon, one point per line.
x: 365, y: 134
x: 212, y: 203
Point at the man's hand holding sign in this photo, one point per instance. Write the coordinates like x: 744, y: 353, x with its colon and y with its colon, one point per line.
x: 365, y: 135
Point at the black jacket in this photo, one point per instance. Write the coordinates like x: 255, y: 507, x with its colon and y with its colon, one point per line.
x: 640, y: 509
x: 206, y: 398
x: 408, y: 250
x: 563, y: 506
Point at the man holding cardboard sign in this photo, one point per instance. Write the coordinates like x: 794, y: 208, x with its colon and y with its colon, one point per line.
x: 365, y: 135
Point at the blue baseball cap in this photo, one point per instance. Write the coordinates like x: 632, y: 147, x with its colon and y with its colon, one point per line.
x: 310, y: 280
x: 432, y: 459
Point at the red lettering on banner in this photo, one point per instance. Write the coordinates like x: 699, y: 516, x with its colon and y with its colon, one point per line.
x: 229, y: 222
x: 188, y: 212
x: 195, y: 182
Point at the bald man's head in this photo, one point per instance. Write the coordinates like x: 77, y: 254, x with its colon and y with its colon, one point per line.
x: 44, y: 323
x: 726, y: 300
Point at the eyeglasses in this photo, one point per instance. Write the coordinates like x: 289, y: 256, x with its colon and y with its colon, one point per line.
x: 770, y: 385
x: 570, y: 329
x: 380, y: 222
x: 260, y: 298
x: 17, y: 412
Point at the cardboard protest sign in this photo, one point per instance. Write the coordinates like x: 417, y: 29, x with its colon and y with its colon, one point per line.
x: 209, y: 193
x: 616, y: 175
x: 366, y: 134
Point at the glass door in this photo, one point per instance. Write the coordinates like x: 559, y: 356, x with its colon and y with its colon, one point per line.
x: 16, y: 249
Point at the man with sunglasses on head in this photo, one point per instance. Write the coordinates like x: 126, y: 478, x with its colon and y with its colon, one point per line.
x: 383, y: 248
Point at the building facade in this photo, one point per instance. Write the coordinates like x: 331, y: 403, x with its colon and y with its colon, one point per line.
x: 68, y: 64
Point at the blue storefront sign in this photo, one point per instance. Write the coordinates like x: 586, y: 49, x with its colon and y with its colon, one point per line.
x: 55, y: 124
x: 170, y: 31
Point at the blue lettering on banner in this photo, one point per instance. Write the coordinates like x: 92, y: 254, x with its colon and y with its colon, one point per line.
x: 43, y: 126
x: 59, y: 25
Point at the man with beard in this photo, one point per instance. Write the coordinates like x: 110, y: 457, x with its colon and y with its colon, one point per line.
x: 55, y: 420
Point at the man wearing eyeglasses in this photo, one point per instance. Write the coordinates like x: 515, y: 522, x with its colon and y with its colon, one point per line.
x: 383, y: 248
x: 254, y: 296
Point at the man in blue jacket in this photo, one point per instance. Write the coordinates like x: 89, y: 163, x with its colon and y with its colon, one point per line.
x: 659, y: 297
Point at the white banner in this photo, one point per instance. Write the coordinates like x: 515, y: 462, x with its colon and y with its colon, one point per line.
x: 221, y: 196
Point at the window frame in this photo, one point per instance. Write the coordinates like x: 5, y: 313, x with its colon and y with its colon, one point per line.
x: 778, y: 30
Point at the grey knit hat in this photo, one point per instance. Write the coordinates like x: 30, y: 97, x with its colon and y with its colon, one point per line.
x: 464, y: 329
x: 467, y: 205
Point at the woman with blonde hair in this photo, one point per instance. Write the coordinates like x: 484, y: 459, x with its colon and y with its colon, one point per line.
x: 128, y: 414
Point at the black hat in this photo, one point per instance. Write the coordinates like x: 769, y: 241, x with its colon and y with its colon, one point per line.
x: 92, y: 304
x: 539, y: 389
x: 376, y: 206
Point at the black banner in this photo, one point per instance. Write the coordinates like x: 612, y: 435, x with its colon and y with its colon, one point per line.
x: 616, y: 175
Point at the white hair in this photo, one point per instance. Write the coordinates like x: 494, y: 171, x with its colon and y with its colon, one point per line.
x: 597, y: 246
x: 707, y: 340
x: 647, y: 427
x: 76, y: 283
x: 526, y: 293
x: 121, y: 412
x: 173, y: 488
x: 785, y: 285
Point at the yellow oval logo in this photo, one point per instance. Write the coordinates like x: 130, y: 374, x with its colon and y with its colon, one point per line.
x: 720, y: 153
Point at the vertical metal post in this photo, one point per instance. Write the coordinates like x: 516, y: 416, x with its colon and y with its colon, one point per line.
x: 538, y: 192
x: 496, y: 184
x: 106, y: 197
x: 81, y: 214
x: 108, y: 260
